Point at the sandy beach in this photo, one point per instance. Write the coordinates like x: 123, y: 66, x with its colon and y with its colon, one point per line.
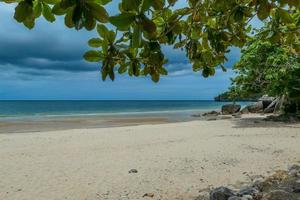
x: 173, y: 160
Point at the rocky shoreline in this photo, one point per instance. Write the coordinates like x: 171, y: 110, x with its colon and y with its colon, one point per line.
x: 282, y: 185
x: 269, y: 106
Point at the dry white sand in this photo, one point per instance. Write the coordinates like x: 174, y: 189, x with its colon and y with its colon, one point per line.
x: 174, y: 161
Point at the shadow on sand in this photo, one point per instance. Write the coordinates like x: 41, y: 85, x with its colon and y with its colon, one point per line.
x: 261, y: 122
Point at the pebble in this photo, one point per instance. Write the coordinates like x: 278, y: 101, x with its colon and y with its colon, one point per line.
x: 133, y: 171
x: 151, y: 195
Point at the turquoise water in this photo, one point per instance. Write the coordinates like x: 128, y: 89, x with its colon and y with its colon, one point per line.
x: 19, y: 109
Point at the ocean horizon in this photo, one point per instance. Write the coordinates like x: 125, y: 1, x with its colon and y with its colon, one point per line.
x: 61, y: 108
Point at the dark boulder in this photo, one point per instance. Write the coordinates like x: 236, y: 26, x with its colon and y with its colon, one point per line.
x: 229, y: 109
x: 245, y: 110
x: 271, y: 107
x: 221, y: 193
x: 266, y: 100
x: 256, y: 108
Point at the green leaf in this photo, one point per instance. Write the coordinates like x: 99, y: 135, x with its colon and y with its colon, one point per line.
x: 99, y: 12
x: 95, y: 42
x: 22, y: 10
x: 122, y: 21
x: 102, y: 30
x: 148, y: 25
x: 155, y: 77
x: 158, y: 4
x: 212, y: 22
x: 136, y: 36
x: 131, y: 5
x: 48, y: 15
x: 284, y: 15
x: 37, y: 9
x: 146, y: 4
x: 68, y: 18
x: 264, y: 10
x: 104, y: 74
x: 92, y: 56
x: 90, y: 21
x: 29, y: 21
x: 67, y: 4
x: 122, y: 69
x: 111, y: 74
x: 77, y: 17
x: 58, y: 10
x: 111, y: 36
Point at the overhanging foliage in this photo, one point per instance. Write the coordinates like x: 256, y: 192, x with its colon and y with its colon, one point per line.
x: 204, y: 29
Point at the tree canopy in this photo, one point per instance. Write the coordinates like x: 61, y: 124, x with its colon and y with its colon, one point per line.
x: 267, y: 68
x: 204, y: 29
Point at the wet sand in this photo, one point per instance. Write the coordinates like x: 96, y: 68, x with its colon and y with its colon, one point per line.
x: 54, y: 124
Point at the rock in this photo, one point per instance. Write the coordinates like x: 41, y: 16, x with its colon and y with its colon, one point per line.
x: 256, y: 108
x: 269, y: 110
x: 214, y: 113
x: 229, y: 109
x: 271, y: 107
x: 133, y: 171
x: 151, y: 195
x: 248, y: 191
x: 294, y: 170
x: 221, y: 193
x: 245, y: 110
x: 280, y: 195
x: 266, y: 100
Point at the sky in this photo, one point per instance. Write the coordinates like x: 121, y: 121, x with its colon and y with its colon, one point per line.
x: 46, y: 63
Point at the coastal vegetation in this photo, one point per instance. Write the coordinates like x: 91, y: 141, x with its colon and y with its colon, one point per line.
x: 269, y: 69
x: 204, y: 29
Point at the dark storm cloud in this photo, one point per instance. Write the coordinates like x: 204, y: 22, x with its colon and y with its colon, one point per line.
x: 46, y: 47
x: 57, y: 48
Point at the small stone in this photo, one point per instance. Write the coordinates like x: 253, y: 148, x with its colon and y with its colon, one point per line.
x: 221, y: 193
x: 294, y: 170
x: 151, y: 195
x: 248, y: 191
x: 133, y: 171
x: 211, y: 113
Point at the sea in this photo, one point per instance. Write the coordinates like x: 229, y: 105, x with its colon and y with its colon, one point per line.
x: 38, y: 109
